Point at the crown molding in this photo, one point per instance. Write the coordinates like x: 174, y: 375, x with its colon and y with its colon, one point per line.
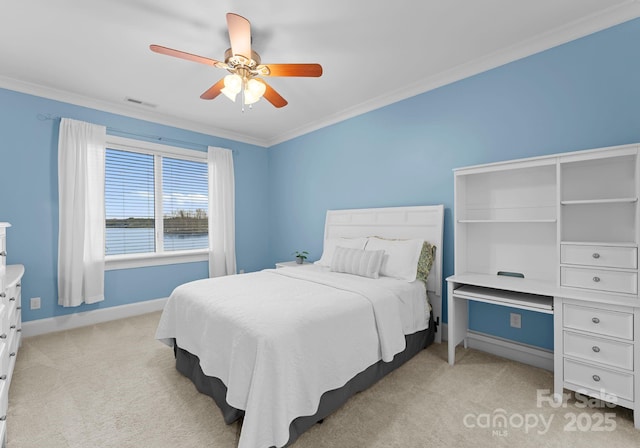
x: 110, y: 107
x: 571, y: 31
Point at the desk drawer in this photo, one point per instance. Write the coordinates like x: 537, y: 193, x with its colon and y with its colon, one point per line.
x: 599, y: 322
x: 603, y: 256
x: 597, y: 378
x: 599, y: 279
x: 604, y: 351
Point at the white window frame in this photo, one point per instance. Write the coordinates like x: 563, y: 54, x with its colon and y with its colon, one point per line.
x: 159, y: 257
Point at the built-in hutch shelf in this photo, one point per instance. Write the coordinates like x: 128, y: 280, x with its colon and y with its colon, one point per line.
x: 564, y: 229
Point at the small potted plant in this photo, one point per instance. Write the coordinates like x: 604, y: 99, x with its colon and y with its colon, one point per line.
x: 301, y: 256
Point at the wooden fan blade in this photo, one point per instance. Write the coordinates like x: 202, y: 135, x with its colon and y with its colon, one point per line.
x: 272, y: 96
x: 213, y: 91
x: 310, y: 70
x: 239, y: 35
x: 182, y: 55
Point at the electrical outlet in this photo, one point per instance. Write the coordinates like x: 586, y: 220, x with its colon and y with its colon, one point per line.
x: 34, y: 303
x: 515, y: 320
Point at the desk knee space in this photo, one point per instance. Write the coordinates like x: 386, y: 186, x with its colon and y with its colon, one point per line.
x: 458, y: 312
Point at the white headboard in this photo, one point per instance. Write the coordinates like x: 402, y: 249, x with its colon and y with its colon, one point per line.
x: 425, y: 222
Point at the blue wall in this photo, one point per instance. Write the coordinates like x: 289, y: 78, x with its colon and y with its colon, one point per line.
x: 581, y: 95
x: 29, y: 201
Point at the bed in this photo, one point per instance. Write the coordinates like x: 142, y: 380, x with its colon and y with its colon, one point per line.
x: 283, y: 348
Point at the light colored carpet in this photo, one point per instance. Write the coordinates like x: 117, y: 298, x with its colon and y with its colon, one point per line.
x: 113, y: 385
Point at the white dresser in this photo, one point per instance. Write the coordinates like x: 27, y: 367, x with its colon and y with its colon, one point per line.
x: 569, y: 225
x: 10, y: 324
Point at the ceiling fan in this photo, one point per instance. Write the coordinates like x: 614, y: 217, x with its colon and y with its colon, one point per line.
x: 245, y: 67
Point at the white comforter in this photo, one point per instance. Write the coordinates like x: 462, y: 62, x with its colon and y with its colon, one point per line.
x: 279, y: 339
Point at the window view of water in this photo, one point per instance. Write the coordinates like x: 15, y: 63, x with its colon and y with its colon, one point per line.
x: 131, y: 186
x: 141, y: 240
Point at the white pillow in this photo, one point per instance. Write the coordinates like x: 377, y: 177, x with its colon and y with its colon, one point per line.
x: 400, y: 257
x: 330, y: 245
x: 365, y: 263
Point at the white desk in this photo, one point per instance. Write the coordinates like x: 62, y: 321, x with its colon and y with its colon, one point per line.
x: 505, y: 291
x: 596, y: 334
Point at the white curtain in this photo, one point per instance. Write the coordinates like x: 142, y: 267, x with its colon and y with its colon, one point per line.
x: 222, y: 221
x: 81, y: 153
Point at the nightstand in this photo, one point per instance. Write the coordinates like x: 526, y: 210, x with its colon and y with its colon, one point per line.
x: 289, y: 264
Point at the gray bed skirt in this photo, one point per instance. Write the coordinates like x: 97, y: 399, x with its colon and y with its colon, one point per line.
x: 189, y: 365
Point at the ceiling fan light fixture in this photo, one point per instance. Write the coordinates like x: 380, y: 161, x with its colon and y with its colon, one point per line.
x: 254, y: 91
x: 232, y: 86
x: 244, y: 65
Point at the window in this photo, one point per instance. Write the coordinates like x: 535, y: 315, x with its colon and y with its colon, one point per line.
x: 184, y: 204
x: 129, y: 202
x: 156, y: 203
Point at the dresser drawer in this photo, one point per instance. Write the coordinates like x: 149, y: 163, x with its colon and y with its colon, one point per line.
x: 599, y: 279
x: 12, y: 342
x: 605, y: 351
x: 598, y: 379
x: 4, y: 360
x: 598, y: 321
x: 603, y: 256
x: 13, y: 322
x: 3, y: 252
x: 11, y: 294
x: 12, y: 315
x: 4, y: 322
x: 4, y: 398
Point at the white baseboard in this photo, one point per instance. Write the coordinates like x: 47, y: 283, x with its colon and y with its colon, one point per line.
x: 527, y: 354
x: 69, y: 321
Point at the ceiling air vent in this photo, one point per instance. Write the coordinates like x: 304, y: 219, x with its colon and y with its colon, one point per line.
x: 140, y: 102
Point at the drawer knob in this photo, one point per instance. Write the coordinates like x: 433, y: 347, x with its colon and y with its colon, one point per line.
x: 595, y: 348
x: 3, y: 253
x: 3, y: 377
x: 12, y: 299
x: 596, y: 279
x: 12, y: 327
x: 596, y: 255
x: 595, y: 320
x: 3, y: 418
x: 12, y: 354
x: 18, y: 284
x: 3, y: 336
x: 3, y: 294
x: 596, y: 378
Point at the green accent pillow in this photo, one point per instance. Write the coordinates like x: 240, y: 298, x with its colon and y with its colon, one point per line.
x: 425, y: 262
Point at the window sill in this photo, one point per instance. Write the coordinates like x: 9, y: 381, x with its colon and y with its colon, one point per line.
x: 114, y: 262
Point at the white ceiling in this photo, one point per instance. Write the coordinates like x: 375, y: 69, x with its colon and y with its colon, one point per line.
x: 96, y: 53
